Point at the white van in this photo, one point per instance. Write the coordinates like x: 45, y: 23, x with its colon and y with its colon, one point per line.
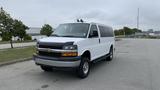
x: 76, y: 45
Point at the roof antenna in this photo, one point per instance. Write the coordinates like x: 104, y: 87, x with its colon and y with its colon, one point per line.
x: 78, y: 20
x: 81, y: 20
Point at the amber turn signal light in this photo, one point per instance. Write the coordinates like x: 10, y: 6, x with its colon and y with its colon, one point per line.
x: 69, y: 54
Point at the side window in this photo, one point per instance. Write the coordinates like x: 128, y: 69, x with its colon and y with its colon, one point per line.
x: 106, y: 31
x: 111, y: 34
x: 93, y: 31
x: 102, y: 31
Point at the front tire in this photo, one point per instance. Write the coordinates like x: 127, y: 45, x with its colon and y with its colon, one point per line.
x: 46, y: 68
x: 110, y: 57
x: 84, y: 68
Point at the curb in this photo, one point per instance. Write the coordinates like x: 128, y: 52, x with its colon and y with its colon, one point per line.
x: 15, y: 61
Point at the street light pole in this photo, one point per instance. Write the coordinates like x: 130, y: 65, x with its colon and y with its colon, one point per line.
x: 138, y: 19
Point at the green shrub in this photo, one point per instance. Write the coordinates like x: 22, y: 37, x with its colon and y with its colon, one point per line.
x: 27, y: 37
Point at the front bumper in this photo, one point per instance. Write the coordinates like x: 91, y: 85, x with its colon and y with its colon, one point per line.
x: 57, y: 62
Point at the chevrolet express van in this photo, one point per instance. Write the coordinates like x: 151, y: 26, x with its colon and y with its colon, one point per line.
x: 76, y: 45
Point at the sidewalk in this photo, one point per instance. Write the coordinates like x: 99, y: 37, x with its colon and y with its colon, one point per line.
x: 5, y: 46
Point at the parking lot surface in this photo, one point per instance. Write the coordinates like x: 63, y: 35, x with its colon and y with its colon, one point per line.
x: 136, y: 66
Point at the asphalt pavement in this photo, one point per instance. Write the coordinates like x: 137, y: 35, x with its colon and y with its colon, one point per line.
x: 136, y: 66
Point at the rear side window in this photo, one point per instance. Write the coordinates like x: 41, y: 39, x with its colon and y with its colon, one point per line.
x: 106, y: 31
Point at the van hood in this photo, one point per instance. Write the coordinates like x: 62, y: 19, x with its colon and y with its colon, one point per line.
x: 60, y: 39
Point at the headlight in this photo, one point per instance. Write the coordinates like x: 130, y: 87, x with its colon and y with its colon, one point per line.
x: 37, y: 45
x: 71, y: 47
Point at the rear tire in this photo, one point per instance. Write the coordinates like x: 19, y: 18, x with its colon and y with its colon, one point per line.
x: 110, y: 57
x: 84, y: 68
x: 46, y: 68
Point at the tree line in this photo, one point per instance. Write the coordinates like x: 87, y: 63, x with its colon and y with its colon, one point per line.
x: 10, y: 28
x: 126, y: 31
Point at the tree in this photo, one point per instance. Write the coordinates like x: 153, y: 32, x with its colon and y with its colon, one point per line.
x: 19, y: 29
x: 46, y: 30
x: 119, y: 32
x: 136, y: 30
x: 127, y: 31
x: 6, y: 24
x: 10, y: 27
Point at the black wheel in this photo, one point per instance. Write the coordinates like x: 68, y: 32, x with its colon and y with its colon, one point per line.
x: 46, y: 68
x: 110, y: 57
x: 84, y: 68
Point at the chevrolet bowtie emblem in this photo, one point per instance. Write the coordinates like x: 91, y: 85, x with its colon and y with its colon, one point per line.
x: 48, y: 50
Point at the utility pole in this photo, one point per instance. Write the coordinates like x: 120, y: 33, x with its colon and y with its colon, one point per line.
x: 138, y: 19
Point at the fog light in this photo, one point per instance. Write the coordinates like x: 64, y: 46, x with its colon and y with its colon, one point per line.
x: 34, y: 54
x: 69, y: 54
x: 36, y: 51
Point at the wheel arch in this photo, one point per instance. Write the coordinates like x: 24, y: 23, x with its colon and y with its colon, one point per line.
x: 111, y: 46
x: 86, y: 54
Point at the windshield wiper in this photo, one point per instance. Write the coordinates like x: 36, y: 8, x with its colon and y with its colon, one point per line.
x: 68, y: 36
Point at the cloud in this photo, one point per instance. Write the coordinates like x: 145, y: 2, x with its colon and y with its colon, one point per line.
x: 106, y: 18
x: 117, y: 13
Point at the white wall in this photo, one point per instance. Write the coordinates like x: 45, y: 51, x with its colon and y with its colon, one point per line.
x: 38, y: 37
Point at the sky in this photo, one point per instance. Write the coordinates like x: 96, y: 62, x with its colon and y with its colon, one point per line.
x: 115, y: 13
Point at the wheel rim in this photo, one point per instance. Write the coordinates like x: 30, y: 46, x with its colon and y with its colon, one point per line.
x: 85, y: 67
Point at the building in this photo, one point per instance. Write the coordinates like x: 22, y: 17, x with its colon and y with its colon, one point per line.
x: 149, y: 33
x: 34, y: 32
x: 141, y: 34
x: 157, y: 33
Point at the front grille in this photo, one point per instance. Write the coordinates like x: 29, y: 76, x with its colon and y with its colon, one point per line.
x: 50, y: 54
x: 51, y: 47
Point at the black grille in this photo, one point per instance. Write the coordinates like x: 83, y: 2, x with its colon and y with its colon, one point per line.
x: 52, y: 47
x: 50, y: 54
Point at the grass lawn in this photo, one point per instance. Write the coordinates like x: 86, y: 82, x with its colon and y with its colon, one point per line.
x: 16, y: 53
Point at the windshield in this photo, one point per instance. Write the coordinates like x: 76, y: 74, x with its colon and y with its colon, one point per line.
x: 72, y: 30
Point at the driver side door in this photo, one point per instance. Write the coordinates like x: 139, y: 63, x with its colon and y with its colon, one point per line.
x: 94, y: 39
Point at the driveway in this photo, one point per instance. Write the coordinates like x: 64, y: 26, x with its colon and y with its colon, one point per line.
x: 136, y: 66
